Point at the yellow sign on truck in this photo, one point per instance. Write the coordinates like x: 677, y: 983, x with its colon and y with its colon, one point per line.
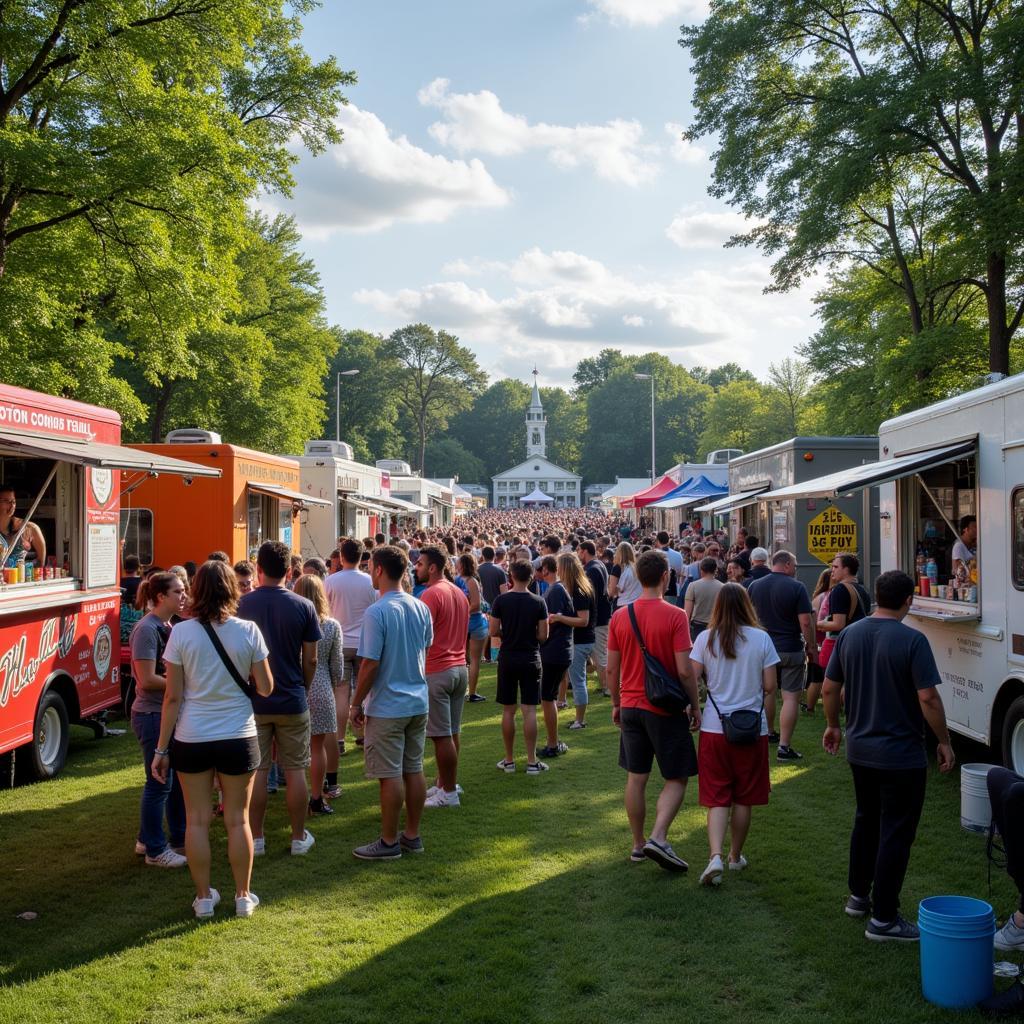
x: 830, y: 532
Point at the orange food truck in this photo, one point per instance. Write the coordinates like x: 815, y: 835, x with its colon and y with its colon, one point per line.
x: 62, y: 475
x: 256, y: 497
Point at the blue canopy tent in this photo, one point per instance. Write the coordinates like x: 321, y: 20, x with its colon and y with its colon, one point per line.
x: 672, y: 507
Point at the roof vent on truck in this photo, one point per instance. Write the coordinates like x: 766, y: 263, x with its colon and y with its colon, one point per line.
x: 394, y: 466
x: 192, y: 435
x: 722, y: 456
x: 336, y: 449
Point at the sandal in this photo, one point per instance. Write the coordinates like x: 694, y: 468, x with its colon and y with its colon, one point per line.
x: 637, y: 855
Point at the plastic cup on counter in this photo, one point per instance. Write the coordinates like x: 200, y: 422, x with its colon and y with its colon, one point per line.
x: 926, y: 587
x: 10, y: 575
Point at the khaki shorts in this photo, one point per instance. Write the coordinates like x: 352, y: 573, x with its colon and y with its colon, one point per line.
x: 292, y: 735
x: 394, y: 746
x: 601, y: 646
x: 350, y: 667
x: 447, y: 692
x: 791, y: 671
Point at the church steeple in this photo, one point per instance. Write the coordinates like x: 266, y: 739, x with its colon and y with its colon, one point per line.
x: 536, y: 423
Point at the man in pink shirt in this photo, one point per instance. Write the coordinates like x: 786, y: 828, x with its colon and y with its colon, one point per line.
x: 447, y: 672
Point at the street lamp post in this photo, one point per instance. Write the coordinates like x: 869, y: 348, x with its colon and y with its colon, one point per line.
x: 337, y: 401
x: 650, y: 377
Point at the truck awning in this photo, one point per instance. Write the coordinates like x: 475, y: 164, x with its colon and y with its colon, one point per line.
x: 363, y: 503
x: 273, y: 491
x: 401, y: 505
x: 871, y: 474
x: 97, y: 455
x: 741, y: 499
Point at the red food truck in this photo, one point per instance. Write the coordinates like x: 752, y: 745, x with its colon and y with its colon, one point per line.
x: 62, y: 474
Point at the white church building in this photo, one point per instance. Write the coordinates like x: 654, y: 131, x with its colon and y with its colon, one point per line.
x: 537, y: 482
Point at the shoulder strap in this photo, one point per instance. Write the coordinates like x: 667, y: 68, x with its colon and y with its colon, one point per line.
x: 636, y: 627
x: 228, y: 663
x: 854, y: 597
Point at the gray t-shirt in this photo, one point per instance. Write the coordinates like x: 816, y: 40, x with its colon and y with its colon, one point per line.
x: 882, y: 664
x: 702, y: 593
x: 148, y: 641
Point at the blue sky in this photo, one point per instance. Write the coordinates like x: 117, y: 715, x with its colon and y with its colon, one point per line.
x: 513, y: 173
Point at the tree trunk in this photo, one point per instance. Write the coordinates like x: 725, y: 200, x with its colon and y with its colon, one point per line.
x: 160, y: 412
x: 998, y: 334
x: 421, y: 422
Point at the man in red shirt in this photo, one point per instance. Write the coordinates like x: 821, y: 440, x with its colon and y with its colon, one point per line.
x: 648, y: 732
x: 447, y: 673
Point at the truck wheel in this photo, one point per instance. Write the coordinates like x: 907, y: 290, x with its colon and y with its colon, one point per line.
x: 1013, y: 737
x: 50, y: 739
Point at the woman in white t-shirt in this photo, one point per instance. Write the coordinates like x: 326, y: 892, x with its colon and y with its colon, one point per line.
x: 623, y: 586
x: 211, y: 719
x: 737, y: 659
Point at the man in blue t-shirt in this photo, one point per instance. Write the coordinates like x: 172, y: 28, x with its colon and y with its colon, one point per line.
x: 890, y: 680
x: 783, y: 607
x: 290, y: 627
x: 392, y: 700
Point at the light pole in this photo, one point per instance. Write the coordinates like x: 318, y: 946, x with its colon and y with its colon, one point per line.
x: 337, y: 401
x: 650, y: 377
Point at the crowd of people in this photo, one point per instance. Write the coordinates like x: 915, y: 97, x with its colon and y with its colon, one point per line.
x: 253, y: 675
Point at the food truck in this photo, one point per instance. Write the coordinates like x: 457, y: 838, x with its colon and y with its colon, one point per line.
x: 60, y: 600
x: 815, y: 531
x: 354, y: 500
x: 959, y: 458
x: 256, y: 497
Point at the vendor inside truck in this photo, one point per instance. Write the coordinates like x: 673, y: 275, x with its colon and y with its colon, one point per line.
x: 31, y: 547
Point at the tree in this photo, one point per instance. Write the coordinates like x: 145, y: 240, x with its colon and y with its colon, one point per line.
x: 594, y: 371
x: 719, y: 376
x: 437, y: 377
x: 787, y: 395
x: 133, y: 135
x: 824, y: 111
x: 256, y: 374
x: 617, y: 441
x: 735, y: 418
x: 369, y: 402
x: 494, y: 428
x: 447, y: 457
x: 567, y: 421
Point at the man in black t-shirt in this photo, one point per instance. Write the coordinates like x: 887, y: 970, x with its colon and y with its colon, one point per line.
x: 891, y: 681
x: 598, y: 576
x: 555, y: 654
x: 520, y: 619
x: 492, y: 581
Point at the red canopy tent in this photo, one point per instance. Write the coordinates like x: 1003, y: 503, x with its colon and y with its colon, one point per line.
x: 652, y: 493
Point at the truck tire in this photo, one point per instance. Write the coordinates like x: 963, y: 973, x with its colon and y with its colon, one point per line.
x: 1013, y: 737
x: 51, y: 736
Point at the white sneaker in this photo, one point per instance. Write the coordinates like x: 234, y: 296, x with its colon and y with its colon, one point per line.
x: 302, y: 846
x: 431, y: 790
x: 440, y: 798
x: 204, y: 907
x: 167, y: 859
x: 712, y: 874
x: 259, y: 846
x: 738, y: 865
x: 506, y: 766
x: 245, y: 905
x: 1010, y: 938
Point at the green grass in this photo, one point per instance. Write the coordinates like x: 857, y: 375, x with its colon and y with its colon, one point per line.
x: 523, y: 909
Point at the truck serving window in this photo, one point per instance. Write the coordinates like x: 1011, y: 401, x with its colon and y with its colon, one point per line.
x: 137, y: 533
x: 1017, y: 537
x: 937, y: 501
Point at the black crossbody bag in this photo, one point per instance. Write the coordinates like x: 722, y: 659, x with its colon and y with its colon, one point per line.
x: 740, y: 727
x: 661, y: 687
x: 246, y: 687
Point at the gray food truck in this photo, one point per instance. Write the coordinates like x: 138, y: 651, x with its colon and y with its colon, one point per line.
x: 814, y: 529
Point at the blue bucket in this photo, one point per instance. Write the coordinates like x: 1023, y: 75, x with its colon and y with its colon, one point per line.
x: 956, y: 950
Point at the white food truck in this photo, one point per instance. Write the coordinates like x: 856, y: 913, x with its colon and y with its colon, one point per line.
x: 961, y: 457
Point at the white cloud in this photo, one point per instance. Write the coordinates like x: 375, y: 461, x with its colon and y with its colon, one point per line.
x: 476, y: 122
x: 651, y: 12
x: 559, y: 307
x: 695, y: 227
x: 683, y: 151
x: 374, y: 179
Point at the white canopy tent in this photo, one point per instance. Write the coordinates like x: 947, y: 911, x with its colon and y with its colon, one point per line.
x: 537, y: 497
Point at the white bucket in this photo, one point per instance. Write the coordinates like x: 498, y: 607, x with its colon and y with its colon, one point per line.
x: 975, y: 809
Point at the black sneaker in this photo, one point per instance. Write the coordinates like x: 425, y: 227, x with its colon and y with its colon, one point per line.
x: 318, y: 805
x: 899, y: 930
x: 664, y: 856
x: 858, y: 906
x: 773, y: 737
x: 1009, y: 1002
x: 787, y: 754
x: 547, y: 752
x: 476, y: 698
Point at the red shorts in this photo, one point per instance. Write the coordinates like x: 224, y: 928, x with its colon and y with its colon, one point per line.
x: 825, y: 652
x: 731, y: 774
